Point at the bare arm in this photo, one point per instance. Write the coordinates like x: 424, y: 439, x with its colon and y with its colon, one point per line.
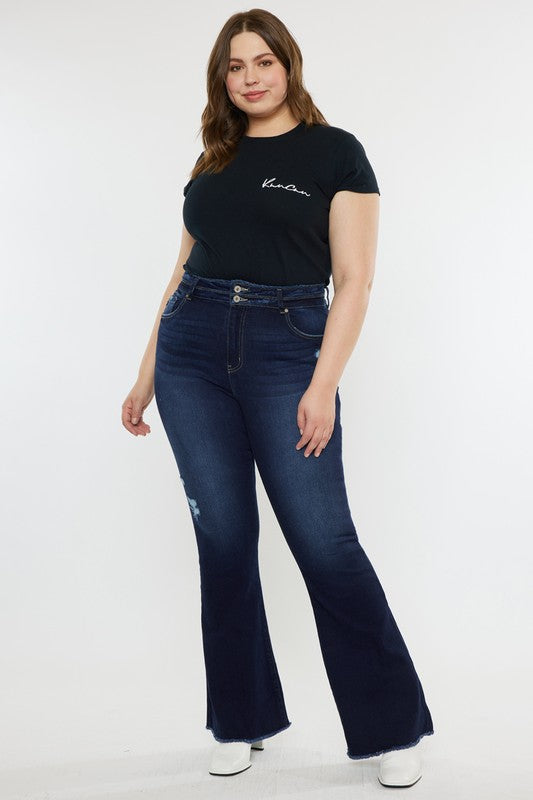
x: 142, y: 393
x: 353, y: 234
x: 147, y: 367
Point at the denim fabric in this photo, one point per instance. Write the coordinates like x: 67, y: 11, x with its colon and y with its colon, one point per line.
x: 233, y: 359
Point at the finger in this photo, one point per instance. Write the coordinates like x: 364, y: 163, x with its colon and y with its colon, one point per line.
x: 140, y: 428
x: 315, y: 441
x: 308, y: 432
x: 304, y: 437
x: 323, y: 443
x: 126, y: 420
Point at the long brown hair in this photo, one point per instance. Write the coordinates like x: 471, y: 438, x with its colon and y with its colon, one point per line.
x: 223, y: 124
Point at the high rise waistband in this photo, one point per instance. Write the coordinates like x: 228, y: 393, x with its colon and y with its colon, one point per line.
x: 238, y: 290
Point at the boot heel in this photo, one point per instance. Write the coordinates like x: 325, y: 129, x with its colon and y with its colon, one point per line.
x: 230, y: 758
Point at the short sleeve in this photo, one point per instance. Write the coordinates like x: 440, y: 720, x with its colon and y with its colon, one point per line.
x: 191, y: 181
x: 353, y: 169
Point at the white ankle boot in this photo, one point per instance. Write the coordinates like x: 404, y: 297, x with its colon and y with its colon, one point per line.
x: 230, y: 758
x: 400, y: 767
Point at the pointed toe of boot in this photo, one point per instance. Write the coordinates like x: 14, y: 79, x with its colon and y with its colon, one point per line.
x: 400, y: 767
x: 230, y: 758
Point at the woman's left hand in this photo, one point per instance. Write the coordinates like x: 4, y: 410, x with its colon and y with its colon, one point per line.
x: 316, y: 419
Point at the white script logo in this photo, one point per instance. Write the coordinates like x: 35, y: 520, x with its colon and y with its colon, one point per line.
x: 267, y: 184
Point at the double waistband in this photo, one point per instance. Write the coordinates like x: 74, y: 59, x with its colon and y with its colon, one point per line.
x: 238, y: 291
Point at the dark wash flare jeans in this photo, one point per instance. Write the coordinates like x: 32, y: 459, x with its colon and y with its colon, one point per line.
x: 233, y: 359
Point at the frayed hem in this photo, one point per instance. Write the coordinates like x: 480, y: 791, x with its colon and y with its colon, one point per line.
x: 257, y: 738
x: 390, y: 749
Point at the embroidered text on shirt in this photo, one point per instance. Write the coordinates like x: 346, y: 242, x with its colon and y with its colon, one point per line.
x: 267, y: 183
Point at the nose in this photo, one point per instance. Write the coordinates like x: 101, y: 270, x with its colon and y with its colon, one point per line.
x: 250, y: 76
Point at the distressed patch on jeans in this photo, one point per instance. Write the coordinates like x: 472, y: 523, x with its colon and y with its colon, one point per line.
x: 192, y: 502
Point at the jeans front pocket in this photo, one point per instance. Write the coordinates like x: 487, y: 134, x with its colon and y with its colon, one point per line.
x: 307, y: 322
x: 175, y: 302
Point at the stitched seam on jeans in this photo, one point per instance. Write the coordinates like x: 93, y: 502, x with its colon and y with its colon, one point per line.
x: 241, y: 340
x: 298, y: 332
x: 166, y: 316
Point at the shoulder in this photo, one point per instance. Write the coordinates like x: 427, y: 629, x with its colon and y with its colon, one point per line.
x: 337, y: 145
x: 332, y: 135
x: 346, y: 161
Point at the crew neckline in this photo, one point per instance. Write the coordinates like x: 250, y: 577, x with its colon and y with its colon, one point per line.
x: 276, y: 136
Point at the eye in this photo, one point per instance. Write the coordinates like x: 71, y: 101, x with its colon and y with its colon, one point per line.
x: 237, y: 66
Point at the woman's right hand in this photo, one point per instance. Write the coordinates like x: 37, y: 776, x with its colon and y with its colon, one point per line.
x: 135, y: 405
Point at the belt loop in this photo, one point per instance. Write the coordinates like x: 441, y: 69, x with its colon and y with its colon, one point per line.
x: 281, y: 306
x: 191, y: 286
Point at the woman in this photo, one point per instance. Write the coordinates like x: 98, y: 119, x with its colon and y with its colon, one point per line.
x: 246, y: 352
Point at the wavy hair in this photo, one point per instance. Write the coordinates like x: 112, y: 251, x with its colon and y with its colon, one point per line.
x: 223, y: 124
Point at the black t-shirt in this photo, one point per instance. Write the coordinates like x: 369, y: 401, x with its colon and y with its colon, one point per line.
x: 265, y: 217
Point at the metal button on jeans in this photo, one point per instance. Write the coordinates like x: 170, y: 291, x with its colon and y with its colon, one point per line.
x: 236, y: 298
x: 237, y: 288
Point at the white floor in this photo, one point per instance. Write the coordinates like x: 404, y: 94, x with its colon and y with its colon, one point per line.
x: 282, y: 771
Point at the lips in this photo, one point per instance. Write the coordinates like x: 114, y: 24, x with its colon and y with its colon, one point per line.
x: 254, y: 94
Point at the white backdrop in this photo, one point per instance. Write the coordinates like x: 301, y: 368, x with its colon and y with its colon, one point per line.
x: 101, y: 656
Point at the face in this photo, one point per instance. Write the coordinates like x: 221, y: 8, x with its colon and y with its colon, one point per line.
x: 254, y: 68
